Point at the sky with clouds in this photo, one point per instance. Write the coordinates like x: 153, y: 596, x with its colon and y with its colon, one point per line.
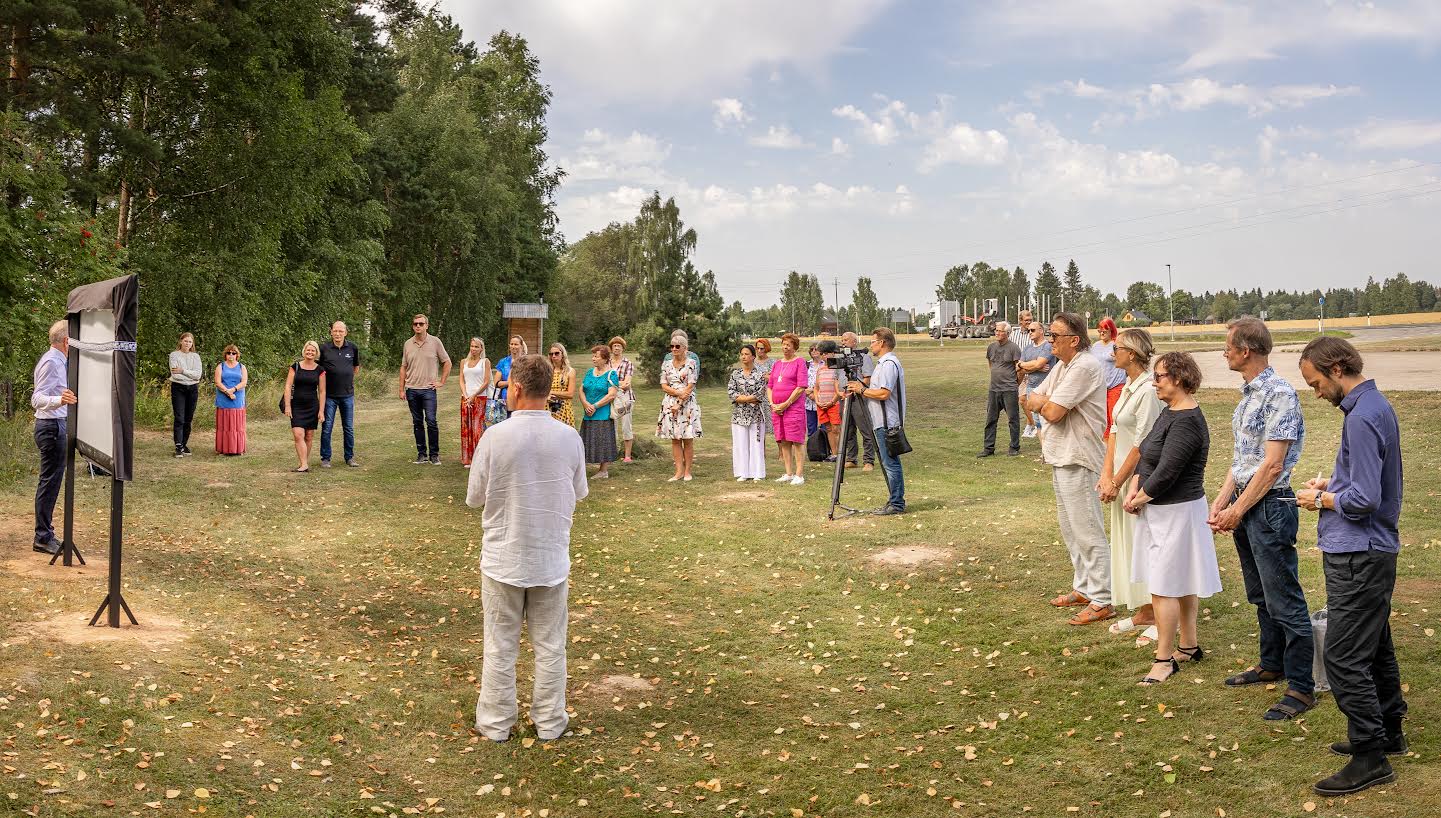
x: 1285, y: 144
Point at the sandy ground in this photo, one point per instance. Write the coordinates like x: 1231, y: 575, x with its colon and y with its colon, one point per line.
x: 1393, y: 371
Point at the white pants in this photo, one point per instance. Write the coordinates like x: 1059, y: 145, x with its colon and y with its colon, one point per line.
x: 623, y: 424
x: 1078, y: 507
x: 748, y: 450
x: 543, y: 610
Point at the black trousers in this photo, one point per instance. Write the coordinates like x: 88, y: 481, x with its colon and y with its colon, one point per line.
x: 995, y: 402
x: 1360, y: 658
x: 50, y: 439
x: 183, y: 398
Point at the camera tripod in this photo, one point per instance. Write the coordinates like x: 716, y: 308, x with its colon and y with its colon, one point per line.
x: 851, y: 400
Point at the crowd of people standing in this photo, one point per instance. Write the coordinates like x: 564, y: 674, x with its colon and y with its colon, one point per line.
x: 1118, y: 426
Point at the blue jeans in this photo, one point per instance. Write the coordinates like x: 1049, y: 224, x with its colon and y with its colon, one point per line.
x: 1266, y: 544
x: 812, y: 422
x: 50, y: 439
x: 346, y: 405
x: 891, y: 467
x: 422, y: 419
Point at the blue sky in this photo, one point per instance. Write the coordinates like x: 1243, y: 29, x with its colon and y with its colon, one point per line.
x: 1286, y: 144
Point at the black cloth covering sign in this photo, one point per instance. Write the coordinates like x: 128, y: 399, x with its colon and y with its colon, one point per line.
x: 120, y: 296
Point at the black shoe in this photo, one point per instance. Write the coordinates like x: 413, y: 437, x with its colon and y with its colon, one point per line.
x: 1013, y: 453
x: 179, y: 452
x: 421, y: 460
x: 52, y: 548
x: 435, y: 460
x: 1394, y: 746
x: 186, y: 450
x: 886, y: 511
x: 984, y: 454
x: 1362, y: 771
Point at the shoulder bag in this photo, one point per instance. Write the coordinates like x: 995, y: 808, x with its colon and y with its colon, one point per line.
x: 896, y: 442
x: 624, y: 399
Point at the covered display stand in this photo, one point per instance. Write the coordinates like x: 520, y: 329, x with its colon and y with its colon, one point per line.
x: 101, y: 423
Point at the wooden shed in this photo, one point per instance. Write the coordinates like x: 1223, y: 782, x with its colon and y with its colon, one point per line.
x: 527, y: 321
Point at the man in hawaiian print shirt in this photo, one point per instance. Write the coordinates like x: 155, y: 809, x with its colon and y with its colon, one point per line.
x: 1256, y: 505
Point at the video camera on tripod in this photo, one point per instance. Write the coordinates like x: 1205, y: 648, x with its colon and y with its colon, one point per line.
x: 852, y: 363
x: 844, y: 358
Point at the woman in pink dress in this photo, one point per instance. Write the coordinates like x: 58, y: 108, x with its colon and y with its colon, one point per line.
x: 786, y: 389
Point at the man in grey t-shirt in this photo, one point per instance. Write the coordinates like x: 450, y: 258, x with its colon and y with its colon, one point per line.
x: 1002, y: 356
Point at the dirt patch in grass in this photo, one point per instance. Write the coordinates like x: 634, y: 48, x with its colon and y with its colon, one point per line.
x: 39, y: 567
x: 739, y: 496
x: 74, y: 628
x: 1417, y: 589
x: 616, y: 686
x: 218, y: 484
x: 909, y: 556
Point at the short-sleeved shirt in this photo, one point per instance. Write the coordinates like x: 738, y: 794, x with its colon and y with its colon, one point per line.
x: 1075, y: 439
x: 595, y: 388
x: 1269, y: 410
x: 339, y: 363
x: 1033, y: 379
x: 1105, y: 352
x: 1003, y: 358
x: 423, y: 361
x: 888, y: 375
x: 1021, y: 338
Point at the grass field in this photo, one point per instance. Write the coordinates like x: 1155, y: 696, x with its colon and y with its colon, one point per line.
x: 732, y: 653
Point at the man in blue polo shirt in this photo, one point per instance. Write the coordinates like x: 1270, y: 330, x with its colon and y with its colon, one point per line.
x: 1360, y: 508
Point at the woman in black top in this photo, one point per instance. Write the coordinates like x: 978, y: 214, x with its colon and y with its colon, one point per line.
x: 1174, y: 552
x: 302, y: 401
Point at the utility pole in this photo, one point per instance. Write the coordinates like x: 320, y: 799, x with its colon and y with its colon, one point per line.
x: 1171, y: 302
x: 839, y: 328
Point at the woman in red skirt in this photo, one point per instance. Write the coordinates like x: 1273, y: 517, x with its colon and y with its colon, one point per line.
x: 1105, y: 351
x: 474, y: 392
x: 231, y: 379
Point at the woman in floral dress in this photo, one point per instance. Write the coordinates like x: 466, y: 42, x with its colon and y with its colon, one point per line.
x: 679, y: 419
x: 746, y: 389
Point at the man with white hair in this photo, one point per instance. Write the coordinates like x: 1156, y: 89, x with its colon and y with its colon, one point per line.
x: 52, y: 394
x: 1003, y: 355
x: 861, y: 425
x: 341, y: 361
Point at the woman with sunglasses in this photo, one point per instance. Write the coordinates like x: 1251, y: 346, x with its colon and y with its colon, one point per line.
x: 679, y: 419
x: 562, y: 386
x: 1175, y: 551
x: 1135, y: 413
x: 231, y: 379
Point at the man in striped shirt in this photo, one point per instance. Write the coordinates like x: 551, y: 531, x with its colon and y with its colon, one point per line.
x: 51, y: 396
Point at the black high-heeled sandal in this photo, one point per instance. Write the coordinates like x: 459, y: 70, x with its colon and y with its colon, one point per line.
x: 1175, y: 668
x: 1192, y: 654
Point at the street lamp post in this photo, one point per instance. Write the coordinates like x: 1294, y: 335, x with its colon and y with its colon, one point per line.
x: 1171, y: 302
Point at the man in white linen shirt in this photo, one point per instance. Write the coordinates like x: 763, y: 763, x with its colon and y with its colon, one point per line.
x: 528, y: 473
x: 51, y: 397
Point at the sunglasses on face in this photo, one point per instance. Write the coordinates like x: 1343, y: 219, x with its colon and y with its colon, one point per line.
x: 418, y: 324
x: 1061, y: 335
x: 676, y: 346
x: 554, y: 352
x: 233, y: 353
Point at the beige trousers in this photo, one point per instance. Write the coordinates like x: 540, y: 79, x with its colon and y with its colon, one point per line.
x: 543, y: 612
x: 1078, y: 508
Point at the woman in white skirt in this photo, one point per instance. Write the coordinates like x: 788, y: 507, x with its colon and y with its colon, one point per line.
x: 747, y: 389
x: 1131, y: 420
x: 1174, y: 553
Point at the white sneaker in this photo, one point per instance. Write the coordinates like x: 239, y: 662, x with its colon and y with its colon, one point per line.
x: 786, y: 479
x: 740, y: 479
x: 1029, y: 431
x: 798, y: 481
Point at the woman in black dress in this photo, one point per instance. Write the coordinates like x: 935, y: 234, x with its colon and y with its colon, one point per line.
x: 302, y: 401
x: 1173, y: 552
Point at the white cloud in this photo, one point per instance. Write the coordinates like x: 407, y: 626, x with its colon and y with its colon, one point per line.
x: 1208, y: 33
x: 1397, y: 136
x: 839, y: 147
x: 779, y: 137
x: 712, y: 205
x: 881, y: 130
x: 1048, y: 163
x: 1193, y: 94
x: 963, y: 145
x: 601, y: 156
x: 729, y: 111
x: 637, y: 50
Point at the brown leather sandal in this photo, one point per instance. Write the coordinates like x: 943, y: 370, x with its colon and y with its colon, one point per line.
x: 1093, y: 613
x: 1073, y: 599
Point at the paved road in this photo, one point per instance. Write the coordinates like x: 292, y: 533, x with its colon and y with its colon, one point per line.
x: 1394, y: 371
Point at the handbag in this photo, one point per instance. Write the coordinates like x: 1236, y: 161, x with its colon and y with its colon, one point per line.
x: 624, y: 400
x: 896, y: 442
x: 818, y: 446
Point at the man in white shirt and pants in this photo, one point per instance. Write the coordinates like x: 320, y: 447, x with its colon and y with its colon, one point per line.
x: 528, y: 473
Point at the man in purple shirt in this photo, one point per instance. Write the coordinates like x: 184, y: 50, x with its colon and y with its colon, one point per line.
x: 1360, y: 509
x: 49, y: 399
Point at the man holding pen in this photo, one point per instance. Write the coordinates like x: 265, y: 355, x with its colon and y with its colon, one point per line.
x: 1359, y: 509
x: 1257, y: 507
